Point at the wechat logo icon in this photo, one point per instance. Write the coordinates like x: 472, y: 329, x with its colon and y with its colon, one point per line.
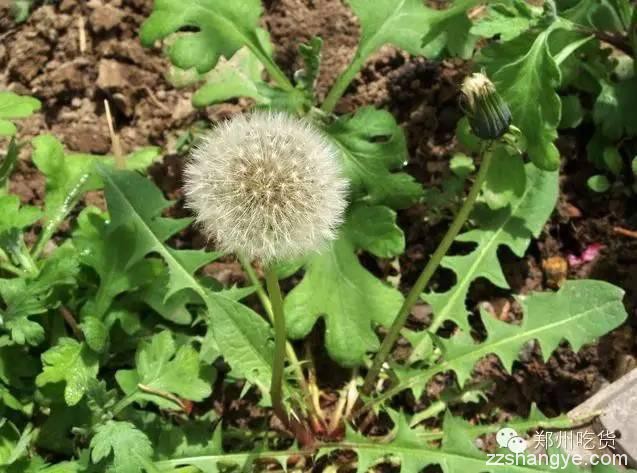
x: 509, y: 438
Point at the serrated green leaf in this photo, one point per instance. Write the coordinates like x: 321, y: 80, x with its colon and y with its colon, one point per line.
x: 349, y: 298
x: 450, y: 30
x: 126, y: 448
x: 13, y: 443
x: 615, y: 110
x: 374, y: 150
x: 506, y: 20
x: 65, y: 171
x: 311, y: 54
x: 400, y: 23
x: 16, y: 216
x: 526, y: 76
x: 69, y: 176
x: 162, y: 367
x: 246, y: 342
x: 25, y: 297
x: 153, y: 293
x: 201, y: 437
x: 238, y: 331
x: 72, y: 362
x: 135, y: 203
x: 95, y: 333
x: 580, y: 312
x: 457, y: 454
x: 513, y: 226
x: 604, y: 15
x: 214, y: 459
x: 422, y: 346
x: 108, y: 253
x: 14, y: 106
x: 239, y: 76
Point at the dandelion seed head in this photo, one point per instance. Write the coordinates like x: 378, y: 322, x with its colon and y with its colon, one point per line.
x: 266, y: 185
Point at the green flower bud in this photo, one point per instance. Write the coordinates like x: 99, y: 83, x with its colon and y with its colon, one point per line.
x: 488, y: 115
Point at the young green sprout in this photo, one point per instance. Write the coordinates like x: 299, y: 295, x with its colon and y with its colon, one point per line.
x: 488, y: 115
x: 270, y: 187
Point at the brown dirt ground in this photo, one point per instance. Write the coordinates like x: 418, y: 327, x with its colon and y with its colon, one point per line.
x: 42, y: 57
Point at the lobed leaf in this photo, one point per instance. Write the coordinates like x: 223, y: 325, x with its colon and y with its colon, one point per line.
x: 108, y: 253
x: 338, y: 288
x: 513, y: 226
x: 399, y: 23
x: 126, y: 448
x: 29, y: 296
x: 374, y: 150
x: 71, y: 362
x: 526, y: 75
x: 14, y: 106
x: 580, y: 312
x: 161, y: 367
x: 615, y: 110
x: 223, y: 28
x: 506, y: 20
x: 242, y: 336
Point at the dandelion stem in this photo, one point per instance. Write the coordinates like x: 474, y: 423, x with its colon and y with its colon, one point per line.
x: 280, y: 339
x: 427, y: 273
x: 341, y: 84
x: 267, y: 306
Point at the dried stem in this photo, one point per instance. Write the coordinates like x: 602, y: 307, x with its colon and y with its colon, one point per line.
x: 81, y: 26
x: 120, y: 163
x: 72, y: 323
x: 625, y: 232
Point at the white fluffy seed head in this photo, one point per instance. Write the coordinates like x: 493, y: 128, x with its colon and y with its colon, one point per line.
x: 267, y: 186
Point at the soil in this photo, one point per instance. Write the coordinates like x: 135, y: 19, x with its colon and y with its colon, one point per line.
x: 43, y: 57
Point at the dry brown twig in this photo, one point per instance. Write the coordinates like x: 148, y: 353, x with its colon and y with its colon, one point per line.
x: 115, y: 145
x: 625, y: 232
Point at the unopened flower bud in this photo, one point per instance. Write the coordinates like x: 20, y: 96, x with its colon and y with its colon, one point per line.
x: 488, y: 115
x: 266, y: 185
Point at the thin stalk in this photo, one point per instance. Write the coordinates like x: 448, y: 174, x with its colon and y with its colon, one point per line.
x: 277, y: 74
x: 427, y: 273
x: 10, y: 268
x: 280, y: 338
x: 267, y: 306
x: 124, y: 403
x: 68, y: 317
x: 54, y: 221
x: 26, y: 261
x: 341, y: 84
x: 632, y: 34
